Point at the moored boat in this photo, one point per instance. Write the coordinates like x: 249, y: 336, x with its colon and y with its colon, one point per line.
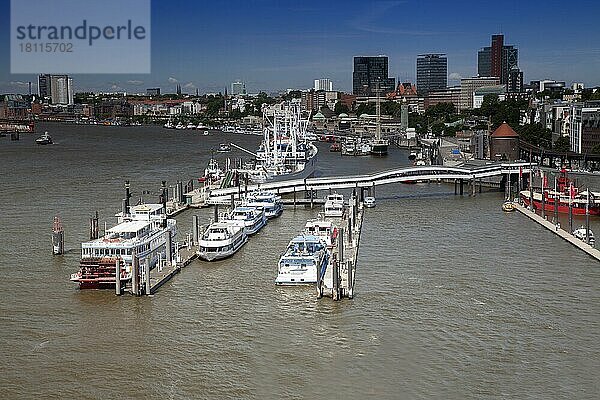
x: 141, y: 232
x: 252, y: 219
x: 369, y: 202
x: 582, y: 234
x: 305, y: 257
x: 269, y: 201
x: 508, y: 206
x: 564, y: 196
x: 334, y: 205
x: 323, y: 229
x: 221, y: 240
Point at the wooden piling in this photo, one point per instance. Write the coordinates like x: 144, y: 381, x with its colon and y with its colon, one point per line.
x: 350, y: 283
x: 118, y: 277
x: 195, y: 229
x: 169, y: 249
x: 135, y: 278
x: 147, y: 276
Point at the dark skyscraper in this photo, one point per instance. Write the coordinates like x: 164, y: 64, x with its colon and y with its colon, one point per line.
x: 432, y: 73
x: 497, y: 60
x: 367, y: 72
x: 496, y: 56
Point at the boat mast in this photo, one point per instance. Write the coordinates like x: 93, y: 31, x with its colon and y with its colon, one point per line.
x: 378, y: 106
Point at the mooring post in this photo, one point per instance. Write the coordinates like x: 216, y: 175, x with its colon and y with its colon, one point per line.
x: 587, y: 217
x: 147, y: 274
x: 216, y: 219
x: 195, y: 229
x: 169, y: 249
x: 334, y: 275
x: 461, y: 186
x: 135, y: 279
x: 341, y: 244
x: 473, y: 186
x: 118, y: 277
x: 480, y: 183
x: 350, y: 283
x: 311, y: 198
x: 362, y: 194
x: 455, y: 187
x: 232, y: 201
x: 350, y: 222
x: 294, y: 197
x: 373, y: 189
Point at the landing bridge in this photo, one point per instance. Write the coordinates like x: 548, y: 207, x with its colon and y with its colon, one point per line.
x: 397, y: 175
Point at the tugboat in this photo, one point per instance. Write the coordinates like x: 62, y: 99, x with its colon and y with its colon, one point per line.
x: 44, y: 139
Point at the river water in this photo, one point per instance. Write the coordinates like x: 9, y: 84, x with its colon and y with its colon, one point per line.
x: 454, y: 298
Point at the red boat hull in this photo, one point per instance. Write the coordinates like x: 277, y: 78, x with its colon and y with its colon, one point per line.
x: 563, y: 208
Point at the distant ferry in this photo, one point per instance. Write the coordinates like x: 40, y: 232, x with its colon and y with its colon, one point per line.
x: 143, y: 232
x: 269, y: 201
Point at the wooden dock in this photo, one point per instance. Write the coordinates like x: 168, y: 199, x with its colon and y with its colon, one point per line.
x: 339, y: 278
x: 593, y: 252
x: 161, y: 275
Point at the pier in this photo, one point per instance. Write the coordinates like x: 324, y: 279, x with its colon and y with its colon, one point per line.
x: 337, y: 281
x: 591, y: 251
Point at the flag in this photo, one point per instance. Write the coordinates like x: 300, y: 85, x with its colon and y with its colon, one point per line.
x: 520, y: 172
x: 545, y: 185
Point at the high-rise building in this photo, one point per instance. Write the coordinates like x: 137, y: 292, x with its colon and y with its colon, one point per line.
x: 515, y: 81
x: 497, y: 60
x: 57, y: 88
x: 323, y: 84
x: 153, y: 92
x: 370, y: 72
x: 238, y: 87
x: 432, y: 73
x: 468, y: 86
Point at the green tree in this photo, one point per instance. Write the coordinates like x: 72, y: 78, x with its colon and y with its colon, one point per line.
x: 535, y: 134
x: 562, y: 145
x: 596, y: 149
x: 341, y: 108
x: 365, y: 108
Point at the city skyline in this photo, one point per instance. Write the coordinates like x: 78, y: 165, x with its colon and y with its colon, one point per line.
x: 272, y: 46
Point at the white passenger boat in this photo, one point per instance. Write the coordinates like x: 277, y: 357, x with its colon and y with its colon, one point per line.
x: 322, y: 229
x: 44, y: 139
x: 581, y: 234
x: 305, y: 257
x: 252, y: 219
x: 334, y: 205
x: 269, y: 201
x: 221, y: 240
x: 142, y: 231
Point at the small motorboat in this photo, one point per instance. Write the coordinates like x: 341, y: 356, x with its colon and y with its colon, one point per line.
x: 581, y: 234
x: 335, y: 147
x: 369, y: 202
x: 508, y: 206
x: 224, y: 148
x: 44, y: 139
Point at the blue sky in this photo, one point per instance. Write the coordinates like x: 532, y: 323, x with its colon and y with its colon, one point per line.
x: 274, y: 45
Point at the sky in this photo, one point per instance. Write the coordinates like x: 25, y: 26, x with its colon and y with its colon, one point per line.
x: 276, y: 45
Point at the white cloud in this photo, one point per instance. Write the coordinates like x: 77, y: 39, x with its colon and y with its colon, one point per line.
x: 172, y: 80
x: 455, y: 76
x: 19, y: 84
x: 135, y: 82
x: 189, y: 85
